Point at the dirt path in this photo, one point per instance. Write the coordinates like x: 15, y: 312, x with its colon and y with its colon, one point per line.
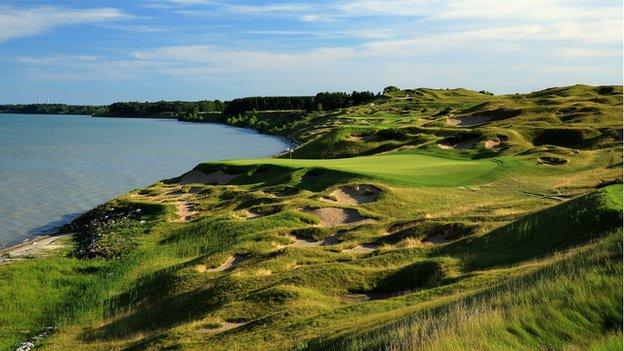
x: 184, y: 211
x: 32, y: 248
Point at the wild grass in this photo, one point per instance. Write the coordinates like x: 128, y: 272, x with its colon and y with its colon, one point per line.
x: 531, y: 258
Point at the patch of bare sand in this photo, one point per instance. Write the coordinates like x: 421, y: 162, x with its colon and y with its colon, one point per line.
x: 32, y: 248
x: 251, y: 214
x: 361, y: 249
x: 224, y: 327
x: 435, y: 239
x: 492, y: 143
x: 198, y: 177
x: 333, y: 216
x: 469, y: 121
x: 460, y: 144
x: 230, y: 263
x: 362, y: 138
x: 354, y: 194
x: 304, y: 242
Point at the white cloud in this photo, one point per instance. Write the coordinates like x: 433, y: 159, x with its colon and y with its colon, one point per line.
x: 16, y: 23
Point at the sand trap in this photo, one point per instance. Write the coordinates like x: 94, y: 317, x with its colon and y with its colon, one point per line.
x: 362, y: 138
x: 468, y: 121
x: 196, y: 177
x: 492, y: 143
x: 332, y: 216
x: 225, y: 327
x: 304, y: 242
x: 435, y: 239
x: 354, y: 194
x: 230, y: 263
x: 250, y: 214
x: 554, y: 161
x: 361, y: 249
x: 461, y: 144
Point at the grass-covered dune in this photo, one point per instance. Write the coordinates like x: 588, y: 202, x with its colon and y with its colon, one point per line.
x: 416, y: 233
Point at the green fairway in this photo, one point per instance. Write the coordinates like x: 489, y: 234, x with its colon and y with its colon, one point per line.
x: 412, y: 169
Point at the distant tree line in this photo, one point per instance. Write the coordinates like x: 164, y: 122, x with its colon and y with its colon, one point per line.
x: 56, y: 109
x: 168, y: 109
x: 321, y: 101
x: 253, y: 112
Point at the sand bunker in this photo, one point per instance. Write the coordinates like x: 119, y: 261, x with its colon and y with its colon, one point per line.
x: 305, y: 242
x: 230, y: 263
x: 492, y: 143
x: 196, y: 177
x: 332, y: 216
x: 250, y: 214
x: 468, y: 121
x: 361, y: 249
x: 224, y: 327
x: 461, y: 144
x: 354, y: 194
x: 550, y: 160
x: 362, y: 138
x: 435, y: 239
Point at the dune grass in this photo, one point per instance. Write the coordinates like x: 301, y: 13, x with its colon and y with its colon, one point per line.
x: 477, y: 248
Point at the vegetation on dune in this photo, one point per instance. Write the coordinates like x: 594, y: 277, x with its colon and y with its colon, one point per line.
x: 419, y: 219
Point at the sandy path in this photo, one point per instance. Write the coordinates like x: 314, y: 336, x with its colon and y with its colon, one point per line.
x: 184, y: 211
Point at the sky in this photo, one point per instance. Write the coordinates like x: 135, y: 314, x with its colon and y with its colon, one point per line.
x: 98, y: 52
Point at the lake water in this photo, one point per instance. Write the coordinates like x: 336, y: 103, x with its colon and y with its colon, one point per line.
x: 53, y: 167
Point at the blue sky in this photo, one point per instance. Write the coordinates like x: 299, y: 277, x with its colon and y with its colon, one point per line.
x: 103, y: 51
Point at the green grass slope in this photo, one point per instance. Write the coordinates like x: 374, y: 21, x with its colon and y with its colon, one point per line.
x: 390, y: 229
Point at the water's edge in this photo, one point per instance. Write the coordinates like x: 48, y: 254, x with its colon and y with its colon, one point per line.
x: 53, y: 226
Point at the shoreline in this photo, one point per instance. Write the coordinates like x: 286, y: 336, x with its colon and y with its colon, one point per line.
x: 11, y: 243
x: 31, y: 247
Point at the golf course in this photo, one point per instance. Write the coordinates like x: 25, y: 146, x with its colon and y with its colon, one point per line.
x: 423, y: 219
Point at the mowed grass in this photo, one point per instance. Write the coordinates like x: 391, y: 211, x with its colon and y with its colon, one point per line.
x: 401, y: 168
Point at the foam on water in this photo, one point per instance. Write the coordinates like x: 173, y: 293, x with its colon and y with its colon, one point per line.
x: 54, y: 167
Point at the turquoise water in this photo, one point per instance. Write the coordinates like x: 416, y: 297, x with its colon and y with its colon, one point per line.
x: 53, y: 167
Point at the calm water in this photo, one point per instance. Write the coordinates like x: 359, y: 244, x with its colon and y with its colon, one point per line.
x: 53, y: 167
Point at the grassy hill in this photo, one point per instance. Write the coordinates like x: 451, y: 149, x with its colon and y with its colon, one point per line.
x: 427, y: 219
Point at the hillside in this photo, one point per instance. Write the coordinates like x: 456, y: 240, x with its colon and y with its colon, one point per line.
x: 422, y: 219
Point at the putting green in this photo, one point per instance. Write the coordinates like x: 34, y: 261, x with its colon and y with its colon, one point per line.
x: 413, y: 169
